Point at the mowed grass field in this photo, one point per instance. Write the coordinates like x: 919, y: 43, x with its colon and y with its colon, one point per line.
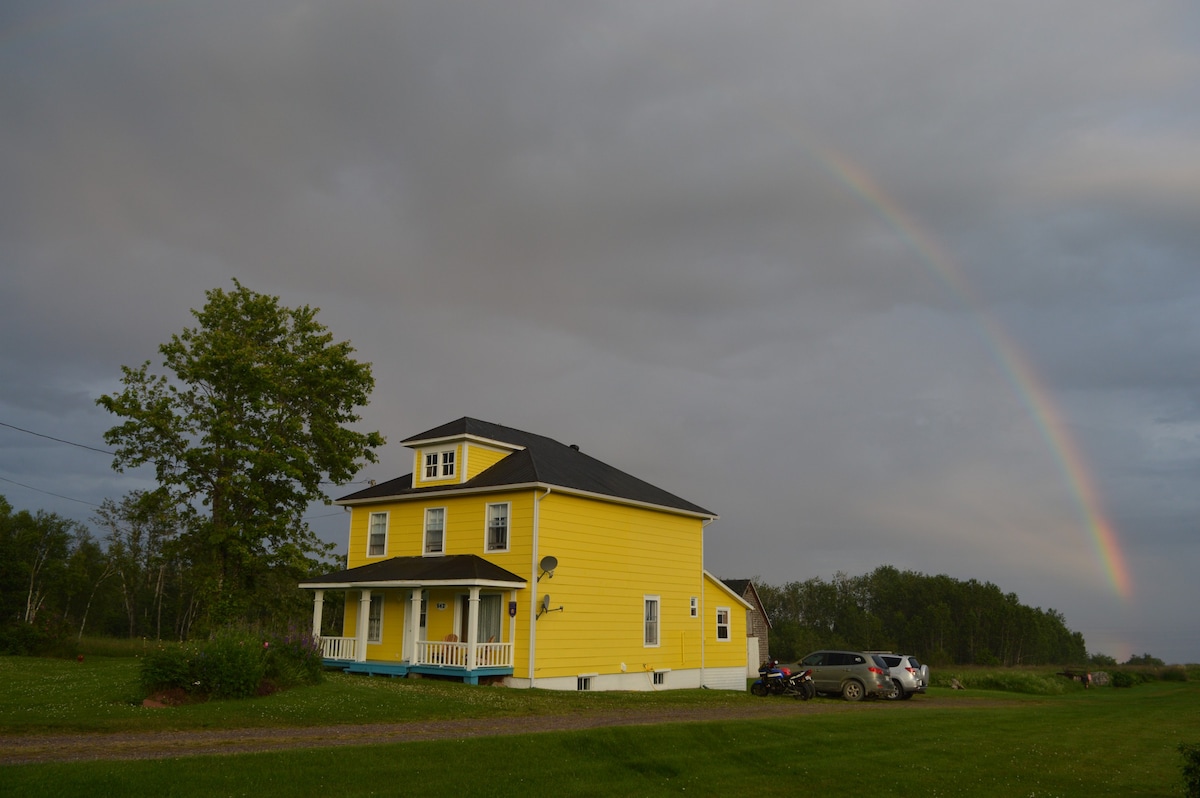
x: 1101, y: 742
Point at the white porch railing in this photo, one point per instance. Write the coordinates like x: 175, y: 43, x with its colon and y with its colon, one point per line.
x: 431, y: 652
x: 338, y: 647
x: 487, y: 655
x: 493, y: 655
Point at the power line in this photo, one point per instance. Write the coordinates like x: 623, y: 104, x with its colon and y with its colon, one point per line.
x: 48, y: 493
x: 57, y: 440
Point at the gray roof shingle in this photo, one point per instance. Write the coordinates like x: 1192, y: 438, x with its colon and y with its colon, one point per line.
x: 459, y: 568
x: 539, y: 460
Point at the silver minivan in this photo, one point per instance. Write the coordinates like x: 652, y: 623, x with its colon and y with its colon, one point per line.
x: 851, y: 674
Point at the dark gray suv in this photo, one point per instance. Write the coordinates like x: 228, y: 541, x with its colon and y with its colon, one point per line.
x: 852, y: 674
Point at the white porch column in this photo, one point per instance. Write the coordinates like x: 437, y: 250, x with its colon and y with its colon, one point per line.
x: 472, y: 627
x: 512, y: 630
x: 360, y: 633
x: 412, y: 632
x: 318, y: 609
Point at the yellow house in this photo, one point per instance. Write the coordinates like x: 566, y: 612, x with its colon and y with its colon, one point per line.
x: 509, y: 556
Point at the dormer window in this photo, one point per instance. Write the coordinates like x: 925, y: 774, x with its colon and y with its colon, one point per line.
x: 439, y: 465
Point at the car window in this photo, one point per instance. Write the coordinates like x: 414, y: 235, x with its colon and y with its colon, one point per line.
x: 817, y: 658
x: 912, y: 661
x: 892, y: 662
x: 879, y: 663
x: 856, y: 659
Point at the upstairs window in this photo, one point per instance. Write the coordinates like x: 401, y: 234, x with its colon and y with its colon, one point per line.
x: 497, y: 527
x: 650, y: 638
x: 439, y: 465
x: 722, y: 623
x: 377, y: 535
x: 435, y: 530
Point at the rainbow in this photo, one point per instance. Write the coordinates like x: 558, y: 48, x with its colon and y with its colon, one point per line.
x: 1015, y: 366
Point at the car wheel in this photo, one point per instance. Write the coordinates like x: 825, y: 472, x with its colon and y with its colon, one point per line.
x: 905, y: 695
x: 852, y: 691
x: 759, y: 689
x: 896, y: 692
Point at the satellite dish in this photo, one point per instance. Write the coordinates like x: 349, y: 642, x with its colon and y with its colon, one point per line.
x: 546, y: 603
x: 549, y: 563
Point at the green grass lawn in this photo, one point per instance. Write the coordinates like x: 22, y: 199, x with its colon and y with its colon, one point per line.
x: 1102, y: 742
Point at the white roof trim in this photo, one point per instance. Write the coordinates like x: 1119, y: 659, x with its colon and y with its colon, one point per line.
x: 526, y: 486
x: 725, y: 588
x: 410, y: 583
x: 512, y: 447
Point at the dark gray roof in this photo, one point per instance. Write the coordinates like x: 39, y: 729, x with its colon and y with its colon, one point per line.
x: 737, y: 585
x: 740, y: 586
x: 540, y: 460
x: 458, y: 568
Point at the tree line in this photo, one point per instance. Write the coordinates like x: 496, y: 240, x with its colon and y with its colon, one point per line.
x: 938, y: 619
x: 138, y: 575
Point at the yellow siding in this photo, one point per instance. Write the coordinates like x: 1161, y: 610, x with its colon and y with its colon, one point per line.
x: 465, y: 528
x: 723, y: 653
x: 392, y: 633
x: 481, y: 458
x: 610, y: 557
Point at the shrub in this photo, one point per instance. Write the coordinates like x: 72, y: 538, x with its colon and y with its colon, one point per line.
x: 1191, y: 769
x: 1174, y: 675
x: 1123, y: 679
x: 234, y: 664
x: 49, y: 637
x: 294, y: 660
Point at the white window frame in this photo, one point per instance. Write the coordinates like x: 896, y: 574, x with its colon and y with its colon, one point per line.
x: 375, y: 619
x: 487, y: 526
x: 695, y: 607
x: 370, y: 533
x: 651, y: 624
x: 444, y: 465
x: 725, y: 626
x: 428, y: 552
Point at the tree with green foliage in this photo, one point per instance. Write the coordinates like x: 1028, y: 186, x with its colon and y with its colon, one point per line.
x: 150, y: 564
x: 1144, y: 659
x: 255, y: 415
x: 939, y: 619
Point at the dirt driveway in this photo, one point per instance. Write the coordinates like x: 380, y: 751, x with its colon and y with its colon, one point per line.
x: 161, y: 745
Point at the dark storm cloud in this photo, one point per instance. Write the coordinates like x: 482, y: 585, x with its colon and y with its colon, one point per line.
x: 630, y: 226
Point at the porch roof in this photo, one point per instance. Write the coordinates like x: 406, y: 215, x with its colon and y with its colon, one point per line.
x: 452, y: 569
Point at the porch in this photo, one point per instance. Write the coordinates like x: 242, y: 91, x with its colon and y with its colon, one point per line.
x: 475, y: 642
x: 432, y: 658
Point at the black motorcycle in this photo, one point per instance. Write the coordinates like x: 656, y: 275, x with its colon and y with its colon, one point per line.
x: 774, y: 679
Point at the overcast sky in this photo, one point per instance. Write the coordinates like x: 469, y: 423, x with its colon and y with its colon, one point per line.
x: 879, y: 283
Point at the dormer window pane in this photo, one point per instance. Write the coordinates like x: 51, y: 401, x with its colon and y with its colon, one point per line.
x: 431, y: 466
x: 448, y: 463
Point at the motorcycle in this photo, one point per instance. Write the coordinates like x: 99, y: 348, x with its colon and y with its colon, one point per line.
x: 775, y: 679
